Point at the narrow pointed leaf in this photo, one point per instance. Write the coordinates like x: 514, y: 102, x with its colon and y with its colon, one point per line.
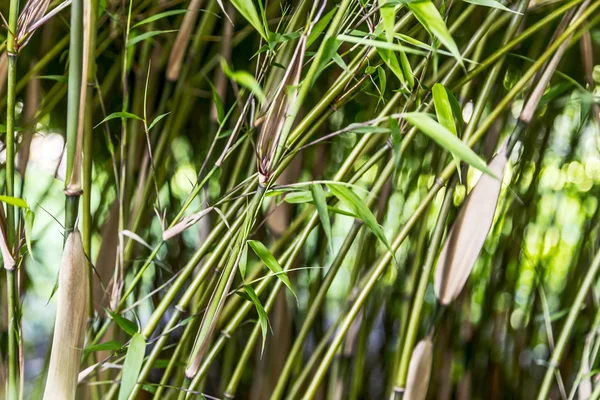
x: 490, y: 3
x: 262, y: 314
x: 14, y: 201
x: 247, y: 9
x: 157, y: 119
x: 111, y: 345
x: 132, y: 365
x: 129, y: 327
x: 388, y: 15
x: 120, y: 114
x: 320, y: 27
x: 160, y: 15
x: 243, y: 261
x: 321, y: 202
x: 429, y: 16
x: 358, y: 207
x: 147, y: 35
x: 246, y: 80
x: 265, y: 255
x: 447, y: 140
x: 443, y: 110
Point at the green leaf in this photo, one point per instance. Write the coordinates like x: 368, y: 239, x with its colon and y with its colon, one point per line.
x: 129, y: 327
x: 388, y: 14
x: 447, y: 140
x: 330, y: 48
x: 218, y: 105
x: 389, y: 58
x: 14, y: 201
x: 119, y: 114
x: 370, y: 129
x: 265, y: 255
x: 429, y: 16
x: 157, y: 119
x: 132, y: 365
x: 379, y: 44
x: 342, y: 212
x: 112, y: 345
x: 320, y: 200
x: 158, y: 16
x: 358, y: 207
x: 443, y: 110
x: 490, y: 3
x: 407, y: 70
x: 382, y: 81
x: 147, y: 35
x: 246, y: 80
x: 57, y: 78
x: 244, y: 261
x: 320, y: 27
x: 248, y: 11
x: 300, y: 197
x: 29, y: 218
x: 396, y: 140
x: 262, y: 314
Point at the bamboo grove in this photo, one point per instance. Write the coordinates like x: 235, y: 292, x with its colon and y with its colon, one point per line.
x: 289, y: 199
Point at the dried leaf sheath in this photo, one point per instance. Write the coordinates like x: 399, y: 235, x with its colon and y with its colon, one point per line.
x: 468, y: 234
x: 71, y: 316
x: 419, y: 371
x: 284, y: 96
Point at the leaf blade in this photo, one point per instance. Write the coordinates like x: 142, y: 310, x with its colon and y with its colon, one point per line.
x: 132, y: 365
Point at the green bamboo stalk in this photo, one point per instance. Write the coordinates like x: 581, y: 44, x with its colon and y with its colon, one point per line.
x: 73, y: 100
x: 419, y: 297
x: 565, y: 333
x: 12, y: 392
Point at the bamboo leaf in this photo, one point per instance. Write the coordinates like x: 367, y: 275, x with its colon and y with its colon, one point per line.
x: 129, y: 327
x: 382, y: 82
x: 300, y: 197
x: 262, y: 314
x: 396, y: 140
x: 389, y: 58
x: 443, y: 110
x: 147, y: 35
x: 218, y: 105
x: 447, y: 140
x: 245, y: 79
x: 388, y: 15
x: 119, y: 114
x: 14, y: 201
x: 491, y: 3
x: 248, y: 11
x: 321, y: 202
x: 111, y: 345
x: 132, y: 365
x: 358, y: 207
x: 157, y: 120
x: 370, y: 129
x: 265, y: 255
x: 244, y: 261
x: 429, y: 16
x: 160, y: 15
x: 320, y: 27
